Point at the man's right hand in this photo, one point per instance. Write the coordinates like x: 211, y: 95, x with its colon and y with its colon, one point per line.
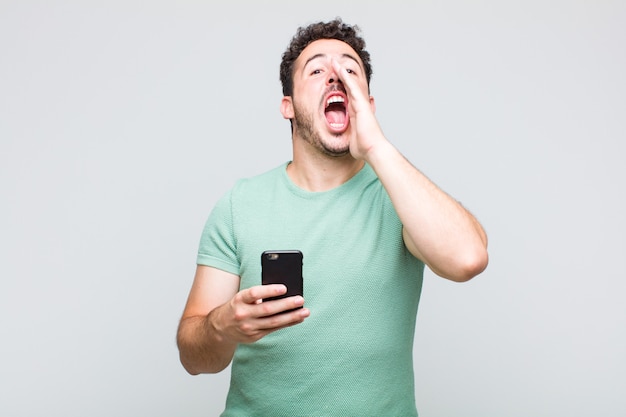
x: 246, y: 319
x: 218, y: 316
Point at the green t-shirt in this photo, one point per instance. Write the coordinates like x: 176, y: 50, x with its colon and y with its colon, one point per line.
x: 354, y: 355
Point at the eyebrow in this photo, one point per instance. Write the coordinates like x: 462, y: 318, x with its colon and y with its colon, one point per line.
x: 316, y: 56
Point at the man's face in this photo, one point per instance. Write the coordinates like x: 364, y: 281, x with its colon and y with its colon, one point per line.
x: 320, y: 102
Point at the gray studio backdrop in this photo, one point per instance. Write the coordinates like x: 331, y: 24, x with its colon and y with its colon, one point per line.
x: 122, y: 122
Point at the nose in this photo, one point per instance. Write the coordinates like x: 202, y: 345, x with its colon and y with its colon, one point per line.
x: 333, y: 78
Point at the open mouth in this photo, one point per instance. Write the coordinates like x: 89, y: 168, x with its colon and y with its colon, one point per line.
x: 336, y: 113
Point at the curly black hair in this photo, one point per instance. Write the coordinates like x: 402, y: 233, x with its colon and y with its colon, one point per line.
x: 305, y: 35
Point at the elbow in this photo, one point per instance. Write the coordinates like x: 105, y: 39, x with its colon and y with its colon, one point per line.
x: 191, y: 371
x: 188, y: 366
x: 472, y: 265
x: 196, y: 360
x: 195, y: 368
x: 197, y: 355
x: 467, y: 267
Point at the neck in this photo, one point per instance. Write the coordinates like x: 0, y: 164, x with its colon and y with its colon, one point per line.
x: 322, y: 173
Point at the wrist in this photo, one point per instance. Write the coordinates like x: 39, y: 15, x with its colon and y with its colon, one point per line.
x: 381, y: 152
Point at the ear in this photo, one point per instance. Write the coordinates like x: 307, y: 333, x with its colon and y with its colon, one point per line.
x: 286, y: 107
x: 372, y: 104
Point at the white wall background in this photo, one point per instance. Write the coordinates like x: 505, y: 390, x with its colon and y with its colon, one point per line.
x: 122, y: 122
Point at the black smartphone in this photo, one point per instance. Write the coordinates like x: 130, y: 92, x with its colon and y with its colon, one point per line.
x: 282, y: 267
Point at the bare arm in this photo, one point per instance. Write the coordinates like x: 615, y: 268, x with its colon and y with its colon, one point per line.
x: 218, y: 317
x: 436, y: 228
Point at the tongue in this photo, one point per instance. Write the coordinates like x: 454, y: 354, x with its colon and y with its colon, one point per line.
x: 336, y: 117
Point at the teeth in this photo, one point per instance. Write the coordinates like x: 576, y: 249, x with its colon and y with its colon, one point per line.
x: 334, y: 99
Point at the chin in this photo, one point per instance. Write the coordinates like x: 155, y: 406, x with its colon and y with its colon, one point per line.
x: 335, y: 149
x: 336, y: 153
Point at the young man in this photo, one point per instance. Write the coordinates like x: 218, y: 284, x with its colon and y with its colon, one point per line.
x: 367, y: 222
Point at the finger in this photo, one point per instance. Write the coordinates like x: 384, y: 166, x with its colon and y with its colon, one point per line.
x: 270, y: 308
x: 342, y: 74
x: 253, y: 295
x: 282, y: 320
x: 267, y: 325
x: 348, y: 81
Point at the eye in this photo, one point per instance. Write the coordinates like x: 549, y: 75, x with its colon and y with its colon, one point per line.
x: 316, y: 71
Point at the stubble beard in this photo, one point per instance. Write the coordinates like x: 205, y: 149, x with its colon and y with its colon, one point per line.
x: 304, y: 126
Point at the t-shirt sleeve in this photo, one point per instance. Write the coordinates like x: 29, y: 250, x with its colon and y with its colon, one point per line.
x: 217, y: 244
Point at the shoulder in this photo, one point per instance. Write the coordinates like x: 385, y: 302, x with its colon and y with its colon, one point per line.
x: 250, y: 193
x: 260, y: 181
x: 252, y: 185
